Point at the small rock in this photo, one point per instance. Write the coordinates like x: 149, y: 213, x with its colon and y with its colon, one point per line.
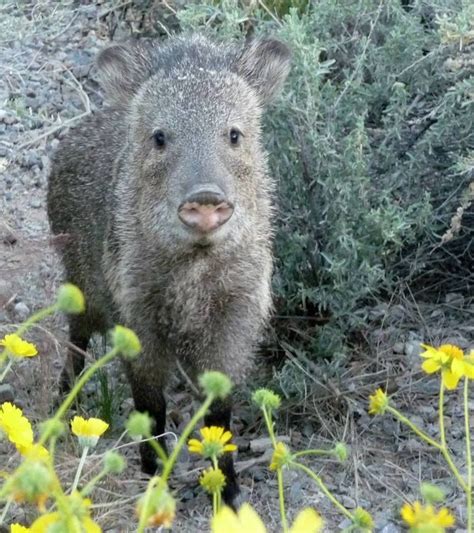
x: 264, y: 443
x: 36, y: 203
x: 390, y: 528
x: 399, y: 347
x: 345, y: 524
x: 348, y: 502
x: 22, y: 310
x: 412, y: 349
x: 6, y: 393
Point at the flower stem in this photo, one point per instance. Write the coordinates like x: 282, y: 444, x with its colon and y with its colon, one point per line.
x: 77, y: 388
x: 281, y: 495
x: 169, y: 464
x: 158, y: 449
x: 324, y: 489
x: 281, y: 498
x: 268, y: 420
x: 217, y: 494
x: 93, y: 482
x: 414, y: 428
x: 313, y: 452
x: 7, y: 369
x: 468, y: 456
x: 444, y: 448
x: 5, y: 510
x: 36, y: 317
x: 146, y: 503
x: 82, y: 462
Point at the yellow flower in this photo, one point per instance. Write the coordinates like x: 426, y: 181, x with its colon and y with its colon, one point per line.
x: 378, y: 402
x: 212, y: 480
x: 214, y: 442
x: 15, y: 425
x: 451, y: 361
x: 43, y: 523
x: 88, y: 431
x: 419, y: 516
x: 78, y: 507
x: 17, y: 347
x: 245, y: 521
x: 18, y: 528
x: 281, y: 457
x: 307, y: 521
x: 33, y: 451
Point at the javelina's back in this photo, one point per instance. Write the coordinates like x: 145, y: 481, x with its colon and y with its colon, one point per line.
x: 166, y: 204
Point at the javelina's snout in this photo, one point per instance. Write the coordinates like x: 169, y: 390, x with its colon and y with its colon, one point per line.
x: 205, y: 208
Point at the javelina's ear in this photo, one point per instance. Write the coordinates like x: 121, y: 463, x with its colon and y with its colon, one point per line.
x: 265, y: 65
x: 122, y: 69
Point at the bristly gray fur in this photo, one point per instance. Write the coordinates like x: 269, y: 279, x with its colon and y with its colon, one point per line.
x: 116, y: 195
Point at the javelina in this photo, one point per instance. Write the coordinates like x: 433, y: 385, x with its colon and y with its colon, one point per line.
x: 167, y: 201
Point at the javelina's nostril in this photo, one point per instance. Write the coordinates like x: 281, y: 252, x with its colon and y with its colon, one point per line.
x: 205, y: 217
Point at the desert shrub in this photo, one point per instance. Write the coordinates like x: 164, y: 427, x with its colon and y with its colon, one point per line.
x: 371, y: 144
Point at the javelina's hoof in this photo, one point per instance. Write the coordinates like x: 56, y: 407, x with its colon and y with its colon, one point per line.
x: 149, y: 459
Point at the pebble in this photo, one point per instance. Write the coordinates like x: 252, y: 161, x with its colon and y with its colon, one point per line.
x: 390, y: 528
x: 413, y: 349
x: 348, y: 502
x: 22, y: 310
x: 399, y: 347
x: 6, y: 393
x: 36, y: 203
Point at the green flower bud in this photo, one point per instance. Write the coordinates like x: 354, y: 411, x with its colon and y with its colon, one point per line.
x: 431, y: 493
x: 215, y: 383
x: 340, y: 451
x: 363, y: 519
x: 52, y: 428
x: 126, y: 341
x: 70, y: 299
x: 138, y: 425
x: 266, y: 398
x: 114, y: 462
x: 32, y: 482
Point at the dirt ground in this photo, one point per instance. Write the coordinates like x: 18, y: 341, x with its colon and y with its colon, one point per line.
x: 47, y: 84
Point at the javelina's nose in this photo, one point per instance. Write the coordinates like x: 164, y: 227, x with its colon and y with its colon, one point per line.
x: 205, y: 209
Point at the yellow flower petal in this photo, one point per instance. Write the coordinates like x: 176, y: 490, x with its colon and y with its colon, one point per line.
x: 18, y: 528
x: 213, y: 443
x: 445, y: 518
x: 378, y: 402
x: 245, y: 521
x: 450, y: 380
x: 93, y: 427
x: 457, y: 367
x: 425, y: 518
x: 408, y: 514
x: 307, y: 521
x: 469, y: 368
x: 431, y: 365
x: 15, y: 425
x: 17, y: 347
x: 195, y: 446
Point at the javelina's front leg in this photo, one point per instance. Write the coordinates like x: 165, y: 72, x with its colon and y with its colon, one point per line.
x: 149, y: 398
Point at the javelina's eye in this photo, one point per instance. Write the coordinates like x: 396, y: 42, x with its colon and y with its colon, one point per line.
x: 159, y: 137
x: 234, y: 136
